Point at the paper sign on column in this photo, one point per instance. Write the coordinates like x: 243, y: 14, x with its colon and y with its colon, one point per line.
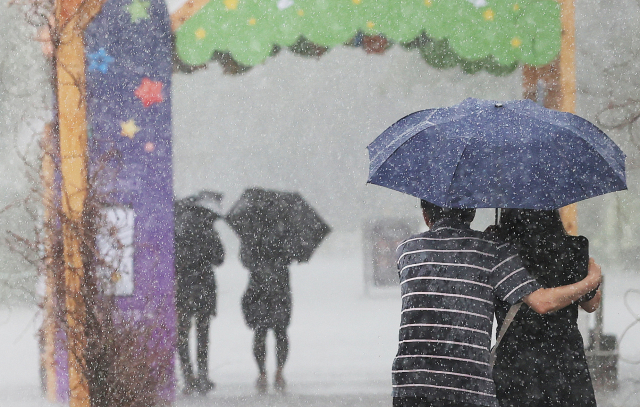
x: 115, y: 247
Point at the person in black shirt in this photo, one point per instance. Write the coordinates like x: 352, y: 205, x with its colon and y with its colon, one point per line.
x: 540, y: 360
x: 266, y: 305
x: 197, y: 250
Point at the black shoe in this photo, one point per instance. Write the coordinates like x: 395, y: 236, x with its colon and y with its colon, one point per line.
x: 205, y: 385
x: 261, y: 384
x: 279, y: 384
x: 190, y: 385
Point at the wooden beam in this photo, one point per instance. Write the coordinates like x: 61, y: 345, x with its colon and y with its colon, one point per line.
x: 567, y: 61
x: 567, y: 80
x: 554, y: 86
x: 185, y: 12
x: 72, y: 124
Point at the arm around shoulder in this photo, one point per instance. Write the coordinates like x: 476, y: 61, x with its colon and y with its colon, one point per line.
x: 547, y: 300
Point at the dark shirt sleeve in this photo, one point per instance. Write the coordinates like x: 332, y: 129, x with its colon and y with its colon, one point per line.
x: 510, y: 280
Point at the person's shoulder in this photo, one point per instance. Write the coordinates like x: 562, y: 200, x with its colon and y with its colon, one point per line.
x: 483, y: 238
x: 570, y: 248
x: 413, y: 240
x: 460, y: 235
x: 575, y: 241
x: 494, y: 243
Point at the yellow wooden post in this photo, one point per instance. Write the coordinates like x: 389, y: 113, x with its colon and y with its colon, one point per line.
x: 73, y: 166
x: 71, y: 18
x: 557, y: 81
x: 185, y: 12
x: 567, y: 79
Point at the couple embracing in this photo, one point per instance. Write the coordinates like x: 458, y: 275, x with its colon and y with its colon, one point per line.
x: 454, y: 279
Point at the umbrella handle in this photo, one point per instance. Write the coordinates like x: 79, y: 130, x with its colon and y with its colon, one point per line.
x: 498, y: 213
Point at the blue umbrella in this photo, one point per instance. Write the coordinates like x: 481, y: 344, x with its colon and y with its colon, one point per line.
x: 490, y: 154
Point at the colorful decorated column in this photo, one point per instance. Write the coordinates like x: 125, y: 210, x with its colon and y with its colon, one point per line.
x: 128, y: 51
x: 113, y: 79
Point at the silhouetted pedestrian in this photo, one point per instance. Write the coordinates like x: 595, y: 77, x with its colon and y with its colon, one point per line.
x: 266, y: 305
x: 275, y: 228
x: 197, y: 250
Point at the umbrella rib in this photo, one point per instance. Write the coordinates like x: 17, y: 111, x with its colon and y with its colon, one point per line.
x: 423, y: 125
x: 413, y: 130
x: 575, y: 130
x: 561, y: 128
x: 457, y: 165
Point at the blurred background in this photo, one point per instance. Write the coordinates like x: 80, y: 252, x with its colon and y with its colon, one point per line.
x: 303, y: 124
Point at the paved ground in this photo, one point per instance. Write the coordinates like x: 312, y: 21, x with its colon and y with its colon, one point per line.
x: 291, y: 400
x: 342, y: 344
x: 627, y: 395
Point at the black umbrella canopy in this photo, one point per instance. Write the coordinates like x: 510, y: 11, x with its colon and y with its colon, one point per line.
x: 195, y: 237
x: 278, y: 221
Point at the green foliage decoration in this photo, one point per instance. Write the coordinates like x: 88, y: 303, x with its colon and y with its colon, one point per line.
x: 439, y: 54
x: 494, y: 35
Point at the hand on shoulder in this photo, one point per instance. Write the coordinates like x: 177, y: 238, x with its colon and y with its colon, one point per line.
x: 594, y: 274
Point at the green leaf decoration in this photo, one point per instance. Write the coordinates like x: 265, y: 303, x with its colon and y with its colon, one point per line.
x: 495, y: 37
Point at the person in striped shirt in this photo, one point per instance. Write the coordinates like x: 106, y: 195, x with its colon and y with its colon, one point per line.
x: 450, y: 277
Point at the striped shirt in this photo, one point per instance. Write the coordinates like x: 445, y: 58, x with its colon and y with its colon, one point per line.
x: 450, y: 277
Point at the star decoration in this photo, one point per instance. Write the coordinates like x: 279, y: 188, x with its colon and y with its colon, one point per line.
x: 129, y: 128
x: 516, y: 42
x: 201, y: 33
x: 231, y: 4
x: 149, y: 92
x: 99, y: 61
x: 488, y: 14
x: 138, y: 10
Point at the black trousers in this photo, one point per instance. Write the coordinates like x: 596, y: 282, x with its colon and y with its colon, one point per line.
x: 202, y: 345
x: 260, y: 348
x: 423, y: 402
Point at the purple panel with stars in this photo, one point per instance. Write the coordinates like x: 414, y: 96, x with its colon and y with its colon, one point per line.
x: 128, y: 68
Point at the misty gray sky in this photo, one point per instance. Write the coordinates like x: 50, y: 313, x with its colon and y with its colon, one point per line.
x: 303, y: 124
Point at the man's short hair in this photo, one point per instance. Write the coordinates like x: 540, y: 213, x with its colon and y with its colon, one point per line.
x: 435, y: 212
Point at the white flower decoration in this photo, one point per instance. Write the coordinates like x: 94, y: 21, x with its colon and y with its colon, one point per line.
x: 478, y: 3
x: 284, y: 4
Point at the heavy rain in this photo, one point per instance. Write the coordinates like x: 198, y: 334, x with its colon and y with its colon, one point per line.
x: 278, y: 284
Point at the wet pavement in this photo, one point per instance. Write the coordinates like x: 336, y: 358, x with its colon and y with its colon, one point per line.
x: 288, y: 400
x: 342, y: 344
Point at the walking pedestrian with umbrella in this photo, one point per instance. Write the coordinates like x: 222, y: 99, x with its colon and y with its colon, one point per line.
x: 479, y: 154
x: 197, y: 250
x: 275, y: 228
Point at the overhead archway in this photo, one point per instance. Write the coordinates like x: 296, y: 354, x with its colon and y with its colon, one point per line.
x: 124, y: 58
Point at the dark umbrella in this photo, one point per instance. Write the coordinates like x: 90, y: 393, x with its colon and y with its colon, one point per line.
x: 196, y: 240
x: 489, y: 154
x: 281, y: 221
